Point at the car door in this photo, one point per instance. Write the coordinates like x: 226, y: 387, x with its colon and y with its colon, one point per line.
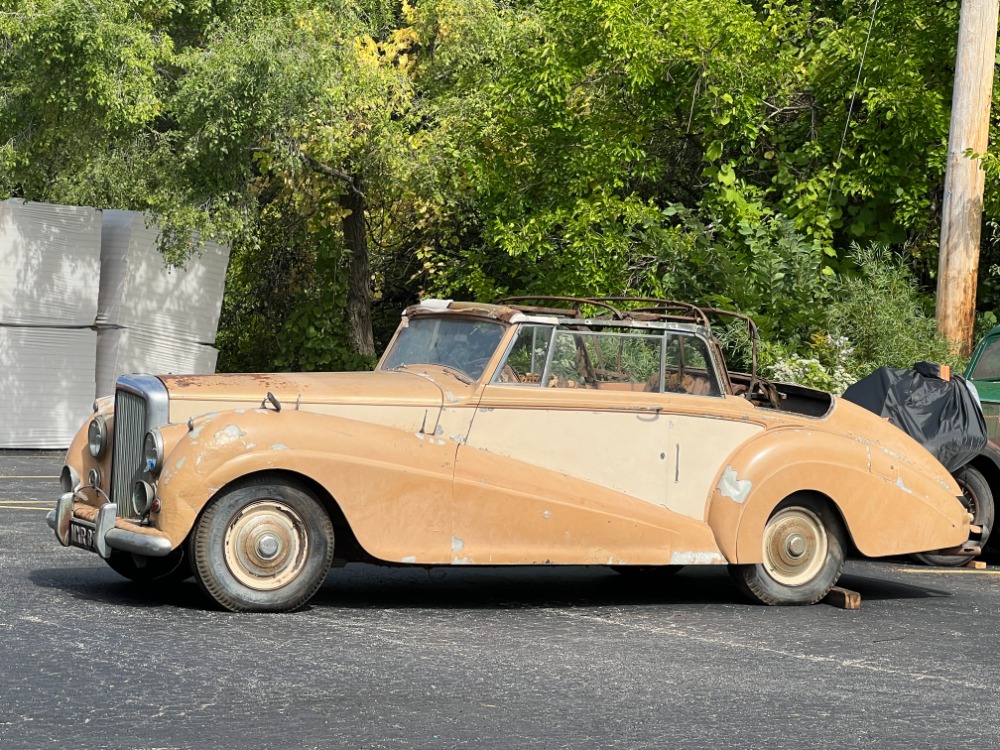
x: 984, y: 372
x: 572, y: 458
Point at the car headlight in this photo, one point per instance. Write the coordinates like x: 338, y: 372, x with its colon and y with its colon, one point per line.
x: 97, y: 436
x: 152, y: 451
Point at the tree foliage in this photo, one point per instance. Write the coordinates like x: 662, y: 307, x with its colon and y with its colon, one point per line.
x: 358, y: 154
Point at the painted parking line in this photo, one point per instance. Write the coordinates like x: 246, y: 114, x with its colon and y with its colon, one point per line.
x: 4, y: 506
x: 29, y: 476
x: 12, y: 503
x: 950, y: 571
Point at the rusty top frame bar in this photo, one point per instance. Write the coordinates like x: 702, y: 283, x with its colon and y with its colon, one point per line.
x: 641, y: 308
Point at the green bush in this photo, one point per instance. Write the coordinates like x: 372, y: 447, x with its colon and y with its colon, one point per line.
x: 883, y: 313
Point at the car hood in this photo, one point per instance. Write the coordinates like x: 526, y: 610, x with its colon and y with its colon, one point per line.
x: 197, y: 394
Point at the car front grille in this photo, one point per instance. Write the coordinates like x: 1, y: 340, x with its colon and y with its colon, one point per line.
x: 126, y: 460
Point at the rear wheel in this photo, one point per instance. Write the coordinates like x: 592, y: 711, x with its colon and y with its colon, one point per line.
x: 262, y: 547
x: 803, y: 555
x: 978, y: 498
x: 168, y: 570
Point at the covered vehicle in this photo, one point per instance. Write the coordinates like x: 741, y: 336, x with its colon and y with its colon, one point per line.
x: 560, y: 432
x: 942, y: 412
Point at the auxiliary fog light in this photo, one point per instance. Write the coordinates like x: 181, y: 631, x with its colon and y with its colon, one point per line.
x: 143, y: 497
x: 69, y: 478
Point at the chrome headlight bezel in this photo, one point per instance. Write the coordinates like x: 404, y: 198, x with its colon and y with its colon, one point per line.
x: 152, y: 451
x: 97, y: 437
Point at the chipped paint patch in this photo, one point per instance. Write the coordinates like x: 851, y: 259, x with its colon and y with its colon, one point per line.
x: 460, y: 439
x: 439, y: 431
x: 194, y: 432
x: 229, y: 434
x: 410, y: 559
x: 902, y: 485
x: 250, y: 446
x: 459, y: 561
x: 279, y: 447
x: 457, y: 544
x: 419, y: 435
x: 696, y: 558
x: 731, y: 486
x: 180, y: 462
x: 451, y: 398
x: 546, y: 514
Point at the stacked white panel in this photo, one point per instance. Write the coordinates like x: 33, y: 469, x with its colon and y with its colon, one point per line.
x: 123, y: 351
x: 50, y: 263
x: 47, y: 382
x: 139, y: 291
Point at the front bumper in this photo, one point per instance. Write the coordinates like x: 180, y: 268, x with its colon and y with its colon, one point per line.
x: 100, y: 530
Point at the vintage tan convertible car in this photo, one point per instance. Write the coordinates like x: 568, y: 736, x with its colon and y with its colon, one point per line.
x: 561, y: 432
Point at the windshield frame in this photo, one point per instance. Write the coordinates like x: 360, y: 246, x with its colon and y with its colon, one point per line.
x: 469, y: 358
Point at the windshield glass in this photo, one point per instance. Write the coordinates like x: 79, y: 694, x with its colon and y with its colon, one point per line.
x: 462, y: 343
x: 988, y: 365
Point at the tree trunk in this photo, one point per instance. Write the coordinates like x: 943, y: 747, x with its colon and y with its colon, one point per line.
x: 359, y: 293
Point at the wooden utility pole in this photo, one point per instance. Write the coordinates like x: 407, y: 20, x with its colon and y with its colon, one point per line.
x: 962, y: 208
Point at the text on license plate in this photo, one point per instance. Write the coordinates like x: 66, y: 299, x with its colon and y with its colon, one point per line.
x: 82, y: 536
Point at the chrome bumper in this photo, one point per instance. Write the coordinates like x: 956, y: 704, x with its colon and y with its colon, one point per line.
x: 103, y: 535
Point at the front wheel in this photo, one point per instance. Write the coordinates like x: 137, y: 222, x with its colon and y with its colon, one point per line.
x: 803, y: 552
x: 262, y: 547
x: 978, y: 500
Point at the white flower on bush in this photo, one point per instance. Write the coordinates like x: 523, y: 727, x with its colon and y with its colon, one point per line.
x: 813, y: 373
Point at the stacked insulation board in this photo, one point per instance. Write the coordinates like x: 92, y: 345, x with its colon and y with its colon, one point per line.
x: 152, y: 317
x: 49, y: 273
x: 84, y: 298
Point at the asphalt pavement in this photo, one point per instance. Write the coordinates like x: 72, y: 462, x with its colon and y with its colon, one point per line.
x: 483, y: 658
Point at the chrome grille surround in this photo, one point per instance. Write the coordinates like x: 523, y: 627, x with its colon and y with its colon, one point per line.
x: 141, y: 403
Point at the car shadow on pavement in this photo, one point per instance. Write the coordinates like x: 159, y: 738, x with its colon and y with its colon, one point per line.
x: 101, y: 584
x: 881, y: 589
x: 363, y: 586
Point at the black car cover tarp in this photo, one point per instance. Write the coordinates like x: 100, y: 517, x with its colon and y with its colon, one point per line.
x: 942, y: 415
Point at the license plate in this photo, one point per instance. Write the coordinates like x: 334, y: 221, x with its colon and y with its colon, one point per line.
x: 82, y: 535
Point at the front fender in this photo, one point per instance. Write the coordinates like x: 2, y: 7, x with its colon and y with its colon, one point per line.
x: 891, y: 502
x: 390, y: 484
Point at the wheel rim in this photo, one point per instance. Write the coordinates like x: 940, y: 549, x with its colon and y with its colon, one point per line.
x: 266, y: 545
x: 795, y: 546
x: 971, y: 500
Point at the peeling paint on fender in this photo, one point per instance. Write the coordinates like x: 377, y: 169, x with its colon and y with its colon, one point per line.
x: 731, y: 486
x: 696, y: 558
x: 229, y: 434
x: 409, y: 559
x: 457, y: 544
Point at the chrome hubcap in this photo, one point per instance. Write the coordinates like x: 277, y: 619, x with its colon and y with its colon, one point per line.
x: 795, y: 546
x: 266, y: 545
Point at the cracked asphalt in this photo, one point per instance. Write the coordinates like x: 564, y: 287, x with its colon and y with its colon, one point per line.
x: 465, y: 658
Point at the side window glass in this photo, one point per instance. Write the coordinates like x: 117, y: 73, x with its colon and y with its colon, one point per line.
x: 988, y: 365
x: 606, y: 361
x: 527, y: 357
x: 688, y: 367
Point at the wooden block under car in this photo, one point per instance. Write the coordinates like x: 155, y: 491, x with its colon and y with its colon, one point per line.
x: 843, y: 598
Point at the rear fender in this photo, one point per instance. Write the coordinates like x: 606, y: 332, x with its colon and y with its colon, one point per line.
x: 889, y: 503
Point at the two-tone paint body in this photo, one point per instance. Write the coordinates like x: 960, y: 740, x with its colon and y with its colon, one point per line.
x: 427, y: 466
